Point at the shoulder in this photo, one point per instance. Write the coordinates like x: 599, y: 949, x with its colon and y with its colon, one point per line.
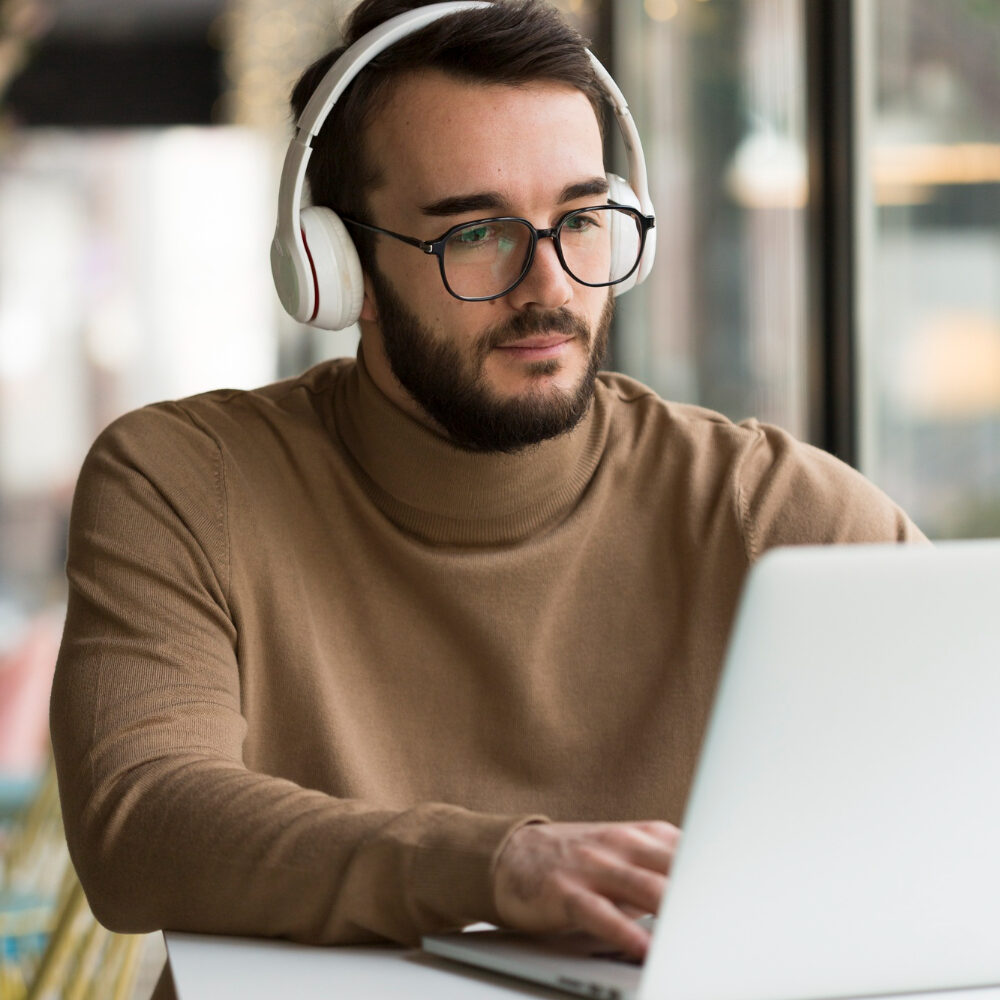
x: 669, y: 430
x: 783, y: 491
x: 229, y: 415
x: 792, y: 493
x: 204, y: 427
x: 160, y: 483
x: 193, y: 456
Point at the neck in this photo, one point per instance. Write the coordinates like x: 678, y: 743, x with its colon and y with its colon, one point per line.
x: 426, y: 485
x: 380, y: 372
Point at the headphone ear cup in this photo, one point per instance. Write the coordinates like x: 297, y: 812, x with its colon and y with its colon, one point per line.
x: 624, y: 234
x: 338, y: 281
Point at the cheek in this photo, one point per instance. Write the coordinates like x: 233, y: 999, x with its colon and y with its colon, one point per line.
x: 413, y: 275
x: 416, y: 277
x: 406, y: 267
x: 463, y: 322
x: 444, y: 313
x: 592, y: 303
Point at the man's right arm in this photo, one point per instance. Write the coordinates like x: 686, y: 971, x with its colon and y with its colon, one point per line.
x: 167, y: 826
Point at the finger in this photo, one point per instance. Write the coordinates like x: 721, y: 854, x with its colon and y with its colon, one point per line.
x: 598, y: 916
x: 640, y: 847
x: 666, y: 833
x: 651, y: 854
x: 631, y: 886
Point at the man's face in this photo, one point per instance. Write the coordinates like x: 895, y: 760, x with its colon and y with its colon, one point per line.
x: 494, y: 375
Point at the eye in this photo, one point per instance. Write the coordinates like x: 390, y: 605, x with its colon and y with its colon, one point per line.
x: 582, y: 222
x: 473, y: 236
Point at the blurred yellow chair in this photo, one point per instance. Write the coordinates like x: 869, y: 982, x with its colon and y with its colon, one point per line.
x: 52, y: 946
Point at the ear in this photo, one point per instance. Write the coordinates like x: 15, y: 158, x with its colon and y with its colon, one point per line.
x: 368, y: 310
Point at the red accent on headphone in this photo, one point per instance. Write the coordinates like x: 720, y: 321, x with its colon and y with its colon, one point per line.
x: 312, y: 267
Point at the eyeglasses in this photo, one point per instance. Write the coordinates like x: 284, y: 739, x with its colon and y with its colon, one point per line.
x: 488, y: 258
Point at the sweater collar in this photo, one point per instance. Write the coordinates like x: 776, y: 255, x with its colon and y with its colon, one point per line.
x: 448, y: 495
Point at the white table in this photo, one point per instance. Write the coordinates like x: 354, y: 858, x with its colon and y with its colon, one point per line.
x: 226, y: 968
x: 207, y: 967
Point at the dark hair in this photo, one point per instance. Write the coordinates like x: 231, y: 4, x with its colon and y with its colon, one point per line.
x: 509, y: 42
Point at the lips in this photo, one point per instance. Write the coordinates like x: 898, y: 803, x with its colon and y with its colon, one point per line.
x: 539, y: 343
x: 548, y: 347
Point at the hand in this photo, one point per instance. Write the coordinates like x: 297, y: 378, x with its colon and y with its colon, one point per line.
x: 593, y: 877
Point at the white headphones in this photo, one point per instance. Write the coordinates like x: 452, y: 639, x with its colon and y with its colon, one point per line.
x: 314, y: 262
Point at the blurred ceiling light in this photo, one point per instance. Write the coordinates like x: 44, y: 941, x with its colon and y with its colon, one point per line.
x: 952, y: 369
x: 661, y: 10
x: 768, y: 170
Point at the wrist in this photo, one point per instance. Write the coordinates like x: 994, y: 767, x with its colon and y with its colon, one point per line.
x: 500, y: 875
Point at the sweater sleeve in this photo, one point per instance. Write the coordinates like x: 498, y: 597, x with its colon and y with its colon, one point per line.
x: 167, y: 827
x: 790, y: 493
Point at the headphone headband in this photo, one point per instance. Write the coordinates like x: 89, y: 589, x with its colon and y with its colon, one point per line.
x: 317, y: 273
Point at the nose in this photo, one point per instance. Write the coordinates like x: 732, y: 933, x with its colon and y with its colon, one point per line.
x: 546, y: 285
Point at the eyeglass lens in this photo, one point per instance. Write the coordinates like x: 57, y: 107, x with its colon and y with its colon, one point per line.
x: 488, y: 257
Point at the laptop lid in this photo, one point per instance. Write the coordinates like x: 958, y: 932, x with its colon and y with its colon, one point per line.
x: 843, y: 835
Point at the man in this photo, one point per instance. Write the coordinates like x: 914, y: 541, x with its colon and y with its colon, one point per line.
x: 430, y: 637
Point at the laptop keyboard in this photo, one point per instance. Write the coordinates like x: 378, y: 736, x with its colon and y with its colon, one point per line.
x: 617, y: 956
x: 649, y: 923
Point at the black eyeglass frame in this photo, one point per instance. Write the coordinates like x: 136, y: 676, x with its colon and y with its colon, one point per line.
x: 436, y: 246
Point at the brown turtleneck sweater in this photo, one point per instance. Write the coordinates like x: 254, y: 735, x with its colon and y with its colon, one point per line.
x: 319, y: 663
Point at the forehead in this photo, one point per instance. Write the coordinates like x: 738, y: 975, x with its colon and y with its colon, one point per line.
x: 439, y: 136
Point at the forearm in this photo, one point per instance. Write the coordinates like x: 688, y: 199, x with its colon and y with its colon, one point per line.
x: 197, y: 844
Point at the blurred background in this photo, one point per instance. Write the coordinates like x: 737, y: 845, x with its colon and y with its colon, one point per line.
x: 827, y: 182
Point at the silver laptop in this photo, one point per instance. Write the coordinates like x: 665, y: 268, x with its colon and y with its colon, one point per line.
x: 842, y: 838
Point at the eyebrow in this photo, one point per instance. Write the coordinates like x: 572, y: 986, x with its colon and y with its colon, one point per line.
x: 462, y: 203
x: 596, y: 185
x: 482, y: 201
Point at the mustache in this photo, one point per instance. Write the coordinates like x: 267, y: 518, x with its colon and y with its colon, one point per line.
x: 526, y: 323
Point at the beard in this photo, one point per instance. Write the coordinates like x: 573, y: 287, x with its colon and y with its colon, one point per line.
x: 450, y: 384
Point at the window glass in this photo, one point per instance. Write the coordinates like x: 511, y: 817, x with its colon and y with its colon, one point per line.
x: 131, y: 270
x: 718, y: 91
x: 931, y: 343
